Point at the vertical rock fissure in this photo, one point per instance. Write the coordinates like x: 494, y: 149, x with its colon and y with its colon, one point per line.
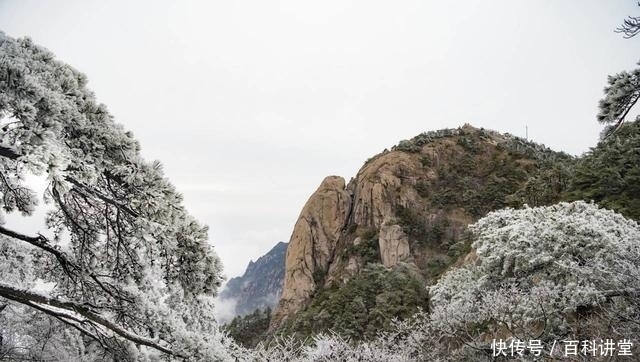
x: 371, y: 209
x: 349, y: 219
x: 314, y: 239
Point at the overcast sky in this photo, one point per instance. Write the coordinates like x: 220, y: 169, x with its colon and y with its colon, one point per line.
x: 250, y: 104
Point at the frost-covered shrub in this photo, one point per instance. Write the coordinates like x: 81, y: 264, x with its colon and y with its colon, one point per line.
x: 543, y: 273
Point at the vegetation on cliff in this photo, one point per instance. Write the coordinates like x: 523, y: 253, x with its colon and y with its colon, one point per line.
x: 250, y: 329
x: 365, y: 305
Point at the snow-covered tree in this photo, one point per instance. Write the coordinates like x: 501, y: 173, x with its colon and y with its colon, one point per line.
x: 620, y: 95
x: 128, y: 274
x: 623, y: 89
x: 609, y: 173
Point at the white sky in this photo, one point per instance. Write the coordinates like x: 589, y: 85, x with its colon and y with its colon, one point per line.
x: 250, y: 104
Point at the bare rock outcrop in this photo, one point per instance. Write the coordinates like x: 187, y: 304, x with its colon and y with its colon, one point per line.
x: 313, y: 244
x: 394, y: 245
x: 380, y: 185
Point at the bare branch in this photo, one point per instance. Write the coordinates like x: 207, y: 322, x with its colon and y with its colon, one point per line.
x: 43, y: 243
x: 82, y: 189
x: 8, y: 153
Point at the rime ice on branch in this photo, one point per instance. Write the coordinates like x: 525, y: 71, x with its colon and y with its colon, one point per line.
x: 133, y: 275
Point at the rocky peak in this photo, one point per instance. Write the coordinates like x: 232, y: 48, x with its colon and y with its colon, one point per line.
x: 410, y: 205
x: 313, y: 243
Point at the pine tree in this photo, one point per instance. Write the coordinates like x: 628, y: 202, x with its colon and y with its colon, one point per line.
x: 131, y: 275
x: 620, y: 95
x: 623, y: 89
x: 609, y: 174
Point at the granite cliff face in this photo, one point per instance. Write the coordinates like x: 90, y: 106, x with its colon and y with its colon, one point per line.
x: 313, y: 242
x: 261, y: 284
x: 409, y: 206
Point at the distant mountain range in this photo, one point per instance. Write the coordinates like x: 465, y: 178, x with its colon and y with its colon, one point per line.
x: 261, y: 284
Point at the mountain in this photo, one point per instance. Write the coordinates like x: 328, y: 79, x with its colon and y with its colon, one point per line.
x: 261, y: 284
x: 361, y: 252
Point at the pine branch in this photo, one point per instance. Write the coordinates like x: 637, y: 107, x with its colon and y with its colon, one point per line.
x: 80, y: 187
x: 79, y: 313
